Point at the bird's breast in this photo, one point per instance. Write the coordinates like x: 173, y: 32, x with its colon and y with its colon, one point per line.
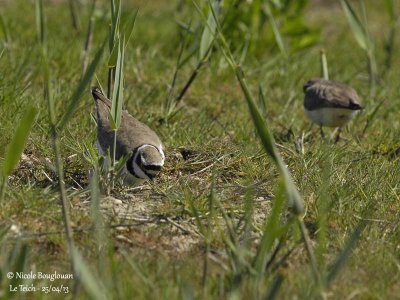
x: 330, y: 117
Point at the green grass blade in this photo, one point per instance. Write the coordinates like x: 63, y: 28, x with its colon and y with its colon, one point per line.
x: 118, y: 96
x: 248, y: 214
x: 324, y: 65
x: 95, y: 209
x: 197, y: 219
x: 18, y: 259
x: 112, y: 6
x: 74, y: 15
x: 57, y: 153
x: 262, y: 130
x: 3, y: 233
x: 83, y: 84
x: 47, y: 89
x: 207, y: 38
x: 371, y: 117
x: 129, y: 25
x: 262, y: 104
x: 346, y: 251
x: 1, y: 53
x: 113, y: 42
x: 40, y: 22
x: 390, y: 8
x: 90, y: 283
x: 360, y: 31
x: 271, y: 231
x: 136, y: 269
x: 274, y: 287
x: 112, y: 60
x: 17, y: 144
x: 390, y: 41
x: 115, y: 21
x: 268, y: 142
x: 323, y: 205
x: 209, y: 237
x: 127, y: 31
x: 89, y: 37
x: 275, y: 30
x: 356, y: 25
x: 4, y: 29
x: 266, y: 137
x: 112, y: 122
x: 294, y: 198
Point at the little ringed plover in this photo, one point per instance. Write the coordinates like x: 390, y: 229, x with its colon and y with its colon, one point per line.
x: 330, y: 103
x: 134, y: 139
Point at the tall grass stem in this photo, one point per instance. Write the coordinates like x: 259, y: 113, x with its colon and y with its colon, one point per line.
x: 74, y: 15
x: 324, y: 65
x: 88, y: 43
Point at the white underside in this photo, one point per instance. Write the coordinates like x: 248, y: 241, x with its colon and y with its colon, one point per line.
x: 330, y: 117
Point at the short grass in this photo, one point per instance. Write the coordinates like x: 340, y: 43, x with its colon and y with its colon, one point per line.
x: 152, y: 246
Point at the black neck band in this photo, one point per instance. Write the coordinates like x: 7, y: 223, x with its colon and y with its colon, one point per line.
x: 129, y: 163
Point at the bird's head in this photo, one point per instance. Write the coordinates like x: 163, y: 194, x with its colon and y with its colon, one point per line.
x: 146, y: 162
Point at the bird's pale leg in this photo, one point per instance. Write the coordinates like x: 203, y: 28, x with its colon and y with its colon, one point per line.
x: 338, y: 135
x: 322, y: 132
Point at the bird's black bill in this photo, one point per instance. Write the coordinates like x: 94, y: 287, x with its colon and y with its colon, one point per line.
x: 151, y: 170
x: 355, y: 106
x: 152, y: 167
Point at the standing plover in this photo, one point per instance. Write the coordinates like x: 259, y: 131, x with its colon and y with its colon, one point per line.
x: 330, y: 103
x: 134, y: 139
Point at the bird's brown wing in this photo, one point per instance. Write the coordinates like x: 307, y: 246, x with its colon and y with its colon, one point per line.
x: 105, y: 135
x: 130, y: 135
x: 324, y: 93
x: 134, y: 133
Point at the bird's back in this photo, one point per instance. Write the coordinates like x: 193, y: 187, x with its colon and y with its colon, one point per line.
x: 320, y: 93
x: 131, y: 134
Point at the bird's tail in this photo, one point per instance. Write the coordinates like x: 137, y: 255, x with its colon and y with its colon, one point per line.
x: 98, y: 95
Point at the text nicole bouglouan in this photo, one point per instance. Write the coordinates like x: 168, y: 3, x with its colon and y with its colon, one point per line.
x: 40, y: 282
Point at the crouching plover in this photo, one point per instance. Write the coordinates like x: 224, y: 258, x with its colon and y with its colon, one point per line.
x: 330, y: 103
x: 135, y: 140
